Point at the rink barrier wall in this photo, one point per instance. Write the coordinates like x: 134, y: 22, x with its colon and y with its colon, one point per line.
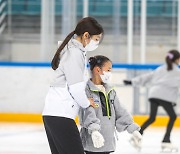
x: 37, y: 118
x: 28, y: 117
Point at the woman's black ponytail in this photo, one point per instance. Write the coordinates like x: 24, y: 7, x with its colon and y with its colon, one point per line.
x: 171, y: 57
x: 56, y: 59
x: 169, y: 63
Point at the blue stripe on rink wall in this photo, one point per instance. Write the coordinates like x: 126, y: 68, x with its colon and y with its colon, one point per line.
x: 135, y: 66
x: 25, y: 64
x: 47, y: 64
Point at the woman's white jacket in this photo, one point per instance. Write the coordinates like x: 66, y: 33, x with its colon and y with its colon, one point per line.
x: 67, y: 92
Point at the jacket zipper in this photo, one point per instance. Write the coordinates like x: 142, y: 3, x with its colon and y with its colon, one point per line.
x: 106, y: 99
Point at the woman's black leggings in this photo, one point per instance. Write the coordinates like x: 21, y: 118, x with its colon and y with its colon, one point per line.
x: 63, y: 135
x: 169, y: 108
x: 97, y: 152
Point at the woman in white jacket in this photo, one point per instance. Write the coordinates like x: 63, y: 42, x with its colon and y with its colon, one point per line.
x: 165, y: 82
x: 67, y: 92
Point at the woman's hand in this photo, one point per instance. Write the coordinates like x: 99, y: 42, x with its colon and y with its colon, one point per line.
x: 92, y: 102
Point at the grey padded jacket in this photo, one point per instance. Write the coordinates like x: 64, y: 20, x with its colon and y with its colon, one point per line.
x: 107, y: 118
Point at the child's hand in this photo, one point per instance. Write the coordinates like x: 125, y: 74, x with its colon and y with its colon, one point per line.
x: 135, y: 140
x: 137, y: 135
x: 98, y: 139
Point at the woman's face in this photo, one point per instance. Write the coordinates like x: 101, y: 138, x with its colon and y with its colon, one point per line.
x: 87, y: 38
x: 96, y: 37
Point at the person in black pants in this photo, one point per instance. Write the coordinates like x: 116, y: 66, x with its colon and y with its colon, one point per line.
x: 97, y: 152
x: 169, y: 108
x: 63, y: 135
x: 66, y: 94
x: 164, y: 85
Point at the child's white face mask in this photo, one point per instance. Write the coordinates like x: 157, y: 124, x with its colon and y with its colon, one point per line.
x: 92, y: 45
x: 106, y: 77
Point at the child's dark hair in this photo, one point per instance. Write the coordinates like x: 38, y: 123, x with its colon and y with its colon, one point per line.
x: 87, y: 24
x: 98, y: 60
x: 171, y: 57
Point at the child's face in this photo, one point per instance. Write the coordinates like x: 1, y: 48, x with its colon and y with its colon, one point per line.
x: 104, y: 73
x: 107, y: 67
x: 177, y: 61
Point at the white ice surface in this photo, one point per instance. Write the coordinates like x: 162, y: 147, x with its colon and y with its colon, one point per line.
x: 29, y: 138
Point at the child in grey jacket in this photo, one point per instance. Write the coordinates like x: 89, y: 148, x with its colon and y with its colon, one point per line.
x: 164, y: 86
x: 98, y: 124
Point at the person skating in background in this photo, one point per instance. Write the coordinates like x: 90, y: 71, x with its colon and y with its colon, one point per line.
x: 98, y: 125
x: 164, y: 85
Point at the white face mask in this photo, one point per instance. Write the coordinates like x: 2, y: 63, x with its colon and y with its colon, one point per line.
x: 92, y: 45
x: 106, y: 77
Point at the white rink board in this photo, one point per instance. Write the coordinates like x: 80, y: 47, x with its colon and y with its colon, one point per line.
x: 23, y: 89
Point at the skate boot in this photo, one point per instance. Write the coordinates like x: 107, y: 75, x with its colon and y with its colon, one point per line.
x: 136, y: 140
x: 168, y: 147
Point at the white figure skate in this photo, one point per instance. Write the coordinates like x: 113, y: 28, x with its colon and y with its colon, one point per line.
x: 168, y: 147
x: 136, y: 140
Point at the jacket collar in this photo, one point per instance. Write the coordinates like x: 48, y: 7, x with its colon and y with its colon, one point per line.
x: 94, y: 88
x: 77, y: 44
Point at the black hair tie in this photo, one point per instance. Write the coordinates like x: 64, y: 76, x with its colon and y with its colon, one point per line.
x: 92, y: 60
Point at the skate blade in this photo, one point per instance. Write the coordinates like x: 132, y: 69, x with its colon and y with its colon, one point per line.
x: 167, y: 150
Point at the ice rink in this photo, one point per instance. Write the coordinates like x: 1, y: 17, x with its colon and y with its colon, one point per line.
x: 30, y: 138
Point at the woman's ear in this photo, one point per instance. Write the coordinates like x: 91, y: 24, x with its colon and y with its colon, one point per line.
x: 86, y: 35
x: 84, y: 39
